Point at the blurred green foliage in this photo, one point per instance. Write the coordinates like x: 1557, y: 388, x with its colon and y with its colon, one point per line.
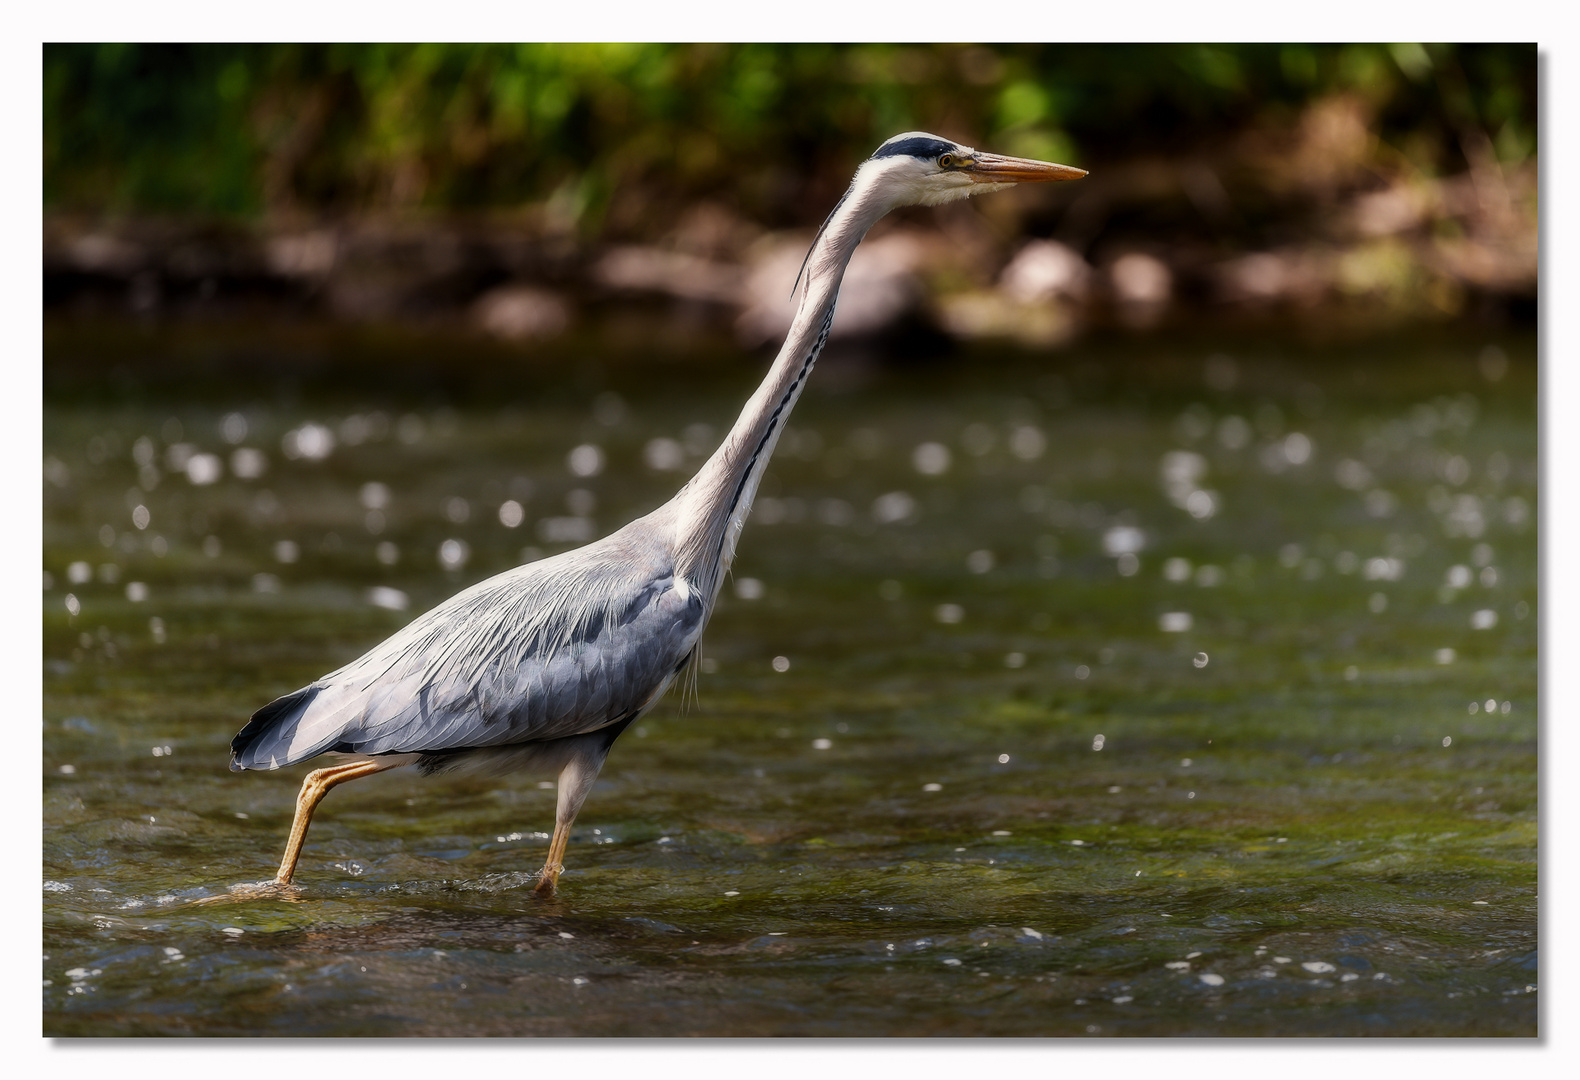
x: 241, y: 130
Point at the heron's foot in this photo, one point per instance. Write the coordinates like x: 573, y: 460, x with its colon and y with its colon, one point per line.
x: 255, y: 890
x: 547, y: 880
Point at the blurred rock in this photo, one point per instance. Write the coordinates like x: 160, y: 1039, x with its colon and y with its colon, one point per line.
x: 993, y: 314
x: 880, y: 289
x: 302, y: 255
x: 1141, y: 286
x: 1396, y: 209
x: 1046, y: 270
x: 711, y: 231
x: 881, y: 286
x: 1138, y: 278
x: 103, y: 254
x: 521, y: 313
x: 772, y: 267
x: 1267, y: 277
x: 651, y: 269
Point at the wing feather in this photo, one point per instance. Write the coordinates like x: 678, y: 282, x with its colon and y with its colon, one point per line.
x: 559, y: 647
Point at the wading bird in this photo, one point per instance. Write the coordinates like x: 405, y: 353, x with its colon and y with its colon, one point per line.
x: 544, y: 666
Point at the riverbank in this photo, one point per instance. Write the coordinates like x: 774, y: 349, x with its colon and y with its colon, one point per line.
x: 1433, y: 250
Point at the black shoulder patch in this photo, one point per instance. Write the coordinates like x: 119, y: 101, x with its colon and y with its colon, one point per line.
x: 917, y: 147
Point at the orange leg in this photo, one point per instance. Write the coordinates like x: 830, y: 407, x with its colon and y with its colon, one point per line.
x: 556, y: 860
x: 314, y: 788
x: 576, y: 780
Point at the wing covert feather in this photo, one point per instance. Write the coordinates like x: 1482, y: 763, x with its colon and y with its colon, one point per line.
x: 555, y: 648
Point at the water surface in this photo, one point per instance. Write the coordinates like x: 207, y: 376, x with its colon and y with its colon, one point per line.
x: 1134, y: 689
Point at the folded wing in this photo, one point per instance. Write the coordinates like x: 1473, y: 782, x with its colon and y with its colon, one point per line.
x: 555, y: 648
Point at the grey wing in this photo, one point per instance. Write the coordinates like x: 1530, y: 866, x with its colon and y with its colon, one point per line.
x: 540, y: 652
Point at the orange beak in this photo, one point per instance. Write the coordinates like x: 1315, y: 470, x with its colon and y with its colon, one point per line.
x: 996, y: 169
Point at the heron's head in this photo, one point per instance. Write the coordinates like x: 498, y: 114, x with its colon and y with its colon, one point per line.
x: 918, y: 169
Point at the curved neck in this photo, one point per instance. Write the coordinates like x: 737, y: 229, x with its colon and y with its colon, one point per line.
x: 711, y: 509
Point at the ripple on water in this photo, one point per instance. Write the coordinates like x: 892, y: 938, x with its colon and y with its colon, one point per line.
x: 1006, y: 597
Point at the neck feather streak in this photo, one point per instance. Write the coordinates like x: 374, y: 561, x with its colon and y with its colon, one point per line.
x: 711, y: 510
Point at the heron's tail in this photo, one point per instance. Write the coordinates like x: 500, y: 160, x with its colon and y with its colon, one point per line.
x: 259, y: 744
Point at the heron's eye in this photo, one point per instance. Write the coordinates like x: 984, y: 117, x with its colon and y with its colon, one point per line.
x: 946, y: 161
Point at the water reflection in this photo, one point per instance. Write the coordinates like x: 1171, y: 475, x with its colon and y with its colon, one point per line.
x: 310, y: 442
x: 931, y: 458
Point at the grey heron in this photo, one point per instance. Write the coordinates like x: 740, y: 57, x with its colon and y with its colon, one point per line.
x: 544, y: 666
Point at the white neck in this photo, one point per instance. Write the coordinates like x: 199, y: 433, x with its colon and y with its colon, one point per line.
x: 711, y: 509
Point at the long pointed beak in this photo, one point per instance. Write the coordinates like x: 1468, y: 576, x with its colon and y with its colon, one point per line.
x: 997, y: 169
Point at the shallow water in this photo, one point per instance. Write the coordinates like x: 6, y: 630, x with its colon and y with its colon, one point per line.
x: 1161, y: 709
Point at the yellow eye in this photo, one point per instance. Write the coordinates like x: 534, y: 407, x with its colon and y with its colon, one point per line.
x: 946, y: 161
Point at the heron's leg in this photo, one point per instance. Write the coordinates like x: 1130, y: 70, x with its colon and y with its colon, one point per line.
x: 314, y: 788
x: 556, y: 860
x: 576, y: 780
